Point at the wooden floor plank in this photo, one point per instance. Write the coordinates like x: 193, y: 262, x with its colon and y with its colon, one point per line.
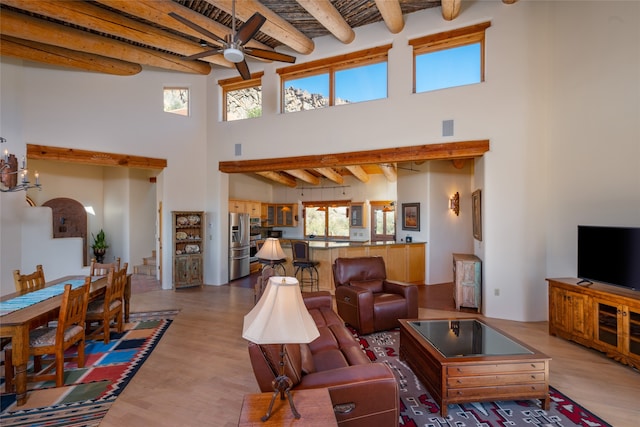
x: 200, y: 370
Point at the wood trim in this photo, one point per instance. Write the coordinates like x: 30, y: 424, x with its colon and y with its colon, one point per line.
x: 445, y: 151
x: 72, y: 155
x: 435, y: 39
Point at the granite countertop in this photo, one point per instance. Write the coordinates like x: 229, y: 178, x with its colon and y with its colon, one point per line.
x: 329, y: 244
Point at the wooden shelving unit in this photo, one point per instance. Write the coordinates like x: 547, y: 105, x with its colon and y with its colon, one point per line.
x: 188, y: 247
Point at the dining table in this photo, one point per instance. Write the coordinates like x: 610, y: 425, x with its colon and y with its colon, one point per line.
x: 23, y: 311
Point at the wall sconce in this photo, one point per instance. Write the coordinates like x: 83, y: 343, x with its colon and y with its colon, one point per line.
x: 390, y: 207
x: 9, y: 173
x: 454, y: 203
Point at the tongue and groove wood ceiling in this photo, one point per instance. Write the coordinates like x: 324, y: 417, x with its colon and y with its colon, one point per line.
x: 121, y: 36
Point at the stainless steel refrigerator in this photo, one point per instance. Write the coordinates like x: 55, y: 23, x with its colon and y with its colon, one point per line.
x: 238, y: 245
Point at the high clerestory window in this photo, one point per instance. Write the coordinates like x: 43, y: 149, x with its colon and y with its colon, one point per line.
x: 345, y: 79
x: 176, y: 100
x: 242, y: 98
x: 449, y: 59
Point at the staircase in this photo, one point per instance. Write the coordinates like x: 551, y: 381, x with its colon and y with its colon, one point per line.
x: 148, y: 267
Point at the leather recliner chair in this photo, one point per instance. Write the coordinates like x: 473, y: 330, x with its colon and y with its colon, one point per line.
x: 366, y: 300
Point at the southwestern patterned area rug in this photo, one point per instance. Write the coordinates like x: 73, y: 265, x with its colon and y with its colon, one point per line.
x: 417, y: 408
x: 89, y: 392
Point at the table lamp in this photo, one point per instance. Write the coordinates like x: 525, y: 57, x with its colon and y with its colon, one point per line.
x: 280, y: 317
x: 271, y: 250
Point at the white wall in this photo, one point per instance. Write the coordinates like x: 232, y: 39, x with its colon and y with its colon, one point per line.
x: 559, y: 106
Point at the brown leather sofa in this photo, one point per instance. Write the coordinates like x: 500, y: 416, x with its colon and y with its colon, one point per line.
x: 368, y: 301
x: 363, y: 393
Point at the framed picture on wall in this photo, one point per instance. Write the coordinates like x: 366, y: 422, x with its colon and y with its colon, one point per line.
x: 411, y: 216
x: 476, y: 211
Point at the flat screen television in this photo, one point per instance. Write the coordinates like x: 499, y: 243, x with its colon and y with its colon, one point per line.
x: 610, y: 255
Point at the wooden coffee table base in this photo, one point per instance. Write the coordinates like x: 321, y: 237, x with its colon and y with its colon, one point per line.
x: 452, y: 380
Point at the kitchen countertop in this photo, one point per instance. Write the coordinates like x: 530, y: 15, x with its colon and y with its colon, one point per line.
x: 329, y: 244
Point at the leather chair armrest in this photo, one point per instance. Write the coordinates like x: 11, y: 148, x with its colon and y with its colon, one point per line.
x: 367, y: 391
x: 355, y: 306
x: 408, y: 290
x: 317, y: 299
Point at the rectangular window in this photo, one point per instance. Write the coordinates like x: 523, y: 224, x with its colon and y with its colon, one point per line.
x: 346, y: 79
x: 383, y: 224
x: 306, y: 93
x: 176, y: 100
x: 449, y: 59
x: 242, y: 98
x: 457, y: 66
x: 359, y: 84
x: 327, y: 219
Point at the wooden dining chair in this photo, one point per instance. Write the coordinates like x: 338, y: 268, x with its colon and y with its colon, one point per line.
x: 29, y: 282
x: 111, y: 307
x: 56, y: 340
x: 102, y: 269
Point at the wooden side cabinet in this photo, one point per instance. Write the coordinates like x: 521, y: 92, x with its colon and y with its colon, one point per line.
x: 188, y: 247
x: 599, y: 316
x: 467, y: 280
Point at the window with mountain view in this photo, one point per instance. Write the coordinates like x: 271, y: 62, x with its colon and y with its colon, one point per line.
x: 346, y: 79
x: 242, y: 98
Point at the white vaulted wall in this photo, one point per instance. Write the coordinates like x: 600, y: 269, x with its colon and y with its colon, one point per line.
x: 560, y: 107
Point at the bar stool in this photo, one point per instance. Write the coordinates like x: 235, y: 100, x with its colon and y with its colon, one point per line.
x: 302, y: 263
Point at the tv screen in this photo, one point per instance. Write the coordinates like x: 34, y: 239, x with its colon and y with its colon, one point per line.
x: 609, y: 255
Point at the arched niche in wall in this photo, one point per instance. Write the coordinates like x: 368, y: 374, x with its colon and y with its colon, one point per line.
x: 69, y: 220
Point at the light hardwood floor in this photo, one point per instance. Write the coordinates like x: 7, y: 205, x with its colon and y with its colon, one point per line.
x: 200, y: 370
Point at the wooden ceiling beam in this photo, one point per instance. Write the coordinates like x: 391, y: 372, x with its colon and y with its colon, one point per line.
x: 47, y: 54
x: 330, y: 174
x: 358, y: 172
x: 86, y: 157
x: 415, y: 153
x: 275, y: 26
x: 279, y: 178
x: 304, y: 176
x: 451, y: 9
x: 88, y: 15
x: 391, y: 14
x: 326, y: 14
x: 390, y: 171
x: 25, y: 27
x: 157, y: 11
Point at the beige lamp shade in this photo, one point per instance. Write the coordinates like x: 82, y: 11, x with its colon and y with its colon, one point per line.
x: 280, y: 316
x: 271, y: 250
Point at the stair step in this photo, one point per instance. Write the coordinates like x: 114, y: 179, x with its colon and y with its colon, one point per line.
x: 149, y: 261
x: 145, y: 269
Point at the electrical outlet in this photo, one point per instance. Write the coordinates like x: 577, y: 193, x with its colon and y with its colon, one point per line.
x: 496, y: 292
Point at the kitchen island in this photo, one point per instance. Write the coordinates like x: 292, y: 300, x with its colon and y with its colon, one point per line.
x: 405, y: 262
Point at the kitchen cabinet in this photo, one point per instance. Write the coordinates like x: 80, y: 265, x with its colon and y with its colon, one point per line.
x: 252, y: 207
x: 187, y: 239
x: 357, y: 218
x: 280, y: 214
x: 599, y: 316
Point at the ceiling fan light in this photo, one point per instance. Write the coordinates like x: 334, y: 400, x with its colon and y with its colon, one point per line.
x: 233, y: 55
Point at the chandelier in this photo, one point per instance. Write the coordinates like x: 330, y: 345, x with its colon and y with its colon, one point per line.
x: 9, y: 173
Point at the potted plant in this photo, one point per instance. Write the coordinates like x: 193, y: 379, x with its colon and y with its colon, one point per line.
x: 99, y: 245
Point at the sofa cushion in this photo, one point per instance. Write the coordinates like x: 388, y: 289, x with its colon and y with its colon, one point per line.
x: 374, y: 286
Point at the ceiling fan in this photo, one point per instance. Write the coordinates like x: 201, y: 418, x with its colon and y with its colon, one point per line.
x: 233, y: 45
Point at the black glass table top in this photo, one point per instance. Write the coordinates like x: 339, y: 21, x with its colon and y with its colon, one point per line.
x: 466, y: 337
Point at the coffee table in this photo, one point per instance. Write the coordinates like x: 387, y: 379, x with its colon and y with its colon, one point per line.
x: 466, y: 360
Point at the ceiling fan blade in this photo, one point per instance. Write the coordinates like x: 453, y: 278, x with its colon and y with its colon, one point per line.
x: 249, y: 28
x: 243, y: 69
x: 197, y: 27
x: 203, y: 54
x: 269, y: 55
